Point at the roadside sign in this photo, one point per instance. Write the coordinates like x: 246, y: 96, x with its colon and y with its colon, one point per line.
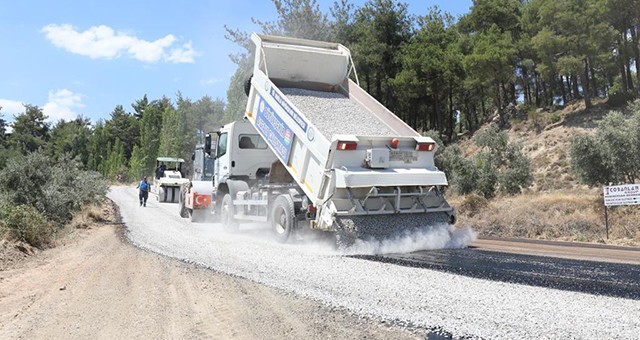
x: 626, y: 194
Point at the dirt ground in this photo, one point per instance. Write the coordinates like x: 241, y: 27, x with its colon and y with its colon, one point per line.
x: 97, y: 285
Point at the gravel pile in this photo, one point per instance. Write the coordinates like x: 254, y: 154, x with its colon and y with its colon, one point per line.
x: 332, y: 113
x: 458, y: 305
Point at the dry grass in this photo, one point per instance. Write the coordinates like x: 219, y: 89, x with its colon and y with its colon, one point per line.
x: 549, y: 216
x: 89, y: 217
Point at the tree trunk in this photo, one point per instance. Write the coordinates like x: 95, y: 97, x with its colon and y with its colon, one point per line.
x: 623, y: 76
x: 564, y: 92
x: 470, y: 112
x: 452, y: 114
x: 629, y: 73
x: 593, y: 82
x: 484, y: 107
x: 636, y: 52
x: 586, y: 89
x: 537, y: 90
x: 576, y: 90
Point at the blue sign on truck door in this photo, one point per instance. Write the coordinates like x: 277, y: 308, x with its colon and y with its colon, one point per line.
x: 275, y: 130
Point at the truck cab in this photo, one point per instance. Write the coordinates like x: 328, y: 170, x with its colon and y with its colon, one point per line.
x: 239, y: 153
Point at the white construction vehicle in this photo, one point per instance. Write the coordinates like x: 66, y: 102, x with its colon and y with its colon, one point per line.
x: 315, y: 150
x: 195, y: 195
x: 168, y: 179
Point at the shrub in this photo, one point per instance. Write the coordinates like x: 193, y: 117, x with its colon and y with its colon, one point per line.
x: 620, y: 99
x: 518, y: 172
x: 499, y: 165
x: 56, y: 189
x: 25, y: 223
x: 555, y: 117
x: 609, y: 156
x: 487, y: 174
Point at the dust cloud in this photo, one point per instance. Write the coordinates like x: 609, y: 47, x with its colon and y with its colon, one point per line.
x: 441, y: 236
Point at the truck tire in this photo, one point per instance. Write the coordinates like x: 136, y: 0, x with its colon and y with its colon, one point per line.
x: 283, y: 218
x: 247, y: 85
x: 226, y: 214
x: 184, y: 212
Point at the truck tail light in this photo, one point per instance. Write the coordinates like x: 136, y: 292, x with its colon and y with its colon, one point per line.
x: 394, y: 143
x: 347, y: 145
x: 425, y: 146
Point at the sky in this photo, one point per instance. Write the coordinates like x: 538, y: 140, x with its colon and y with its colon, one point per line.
x: 72, y: 57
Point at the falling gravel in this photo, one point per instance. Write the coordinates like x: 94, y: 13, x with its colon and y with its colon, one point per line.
x: 461, y: 306
x: 333, y: 113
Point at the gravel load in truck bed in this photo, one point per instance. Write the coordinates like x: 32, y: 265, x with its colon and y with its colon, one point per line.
x: 333, y: 113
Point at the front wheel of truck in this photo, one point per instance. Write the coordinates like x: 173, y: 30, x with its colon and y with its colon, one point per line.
x: 229, y: 223
x: 283, y: 218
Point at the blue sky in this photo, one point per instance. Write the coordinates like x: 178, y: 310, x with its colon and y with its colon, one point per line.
x: 85, y: 57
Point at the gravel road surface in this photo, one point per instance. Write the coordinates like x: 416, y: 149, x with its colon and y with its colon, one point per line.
x: 447, y: 303
x: 96, y: 285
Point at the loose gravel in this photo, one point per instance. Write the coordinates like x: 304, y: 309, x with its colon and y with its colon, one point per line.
x: 460, y: 306
x: 333, y: 113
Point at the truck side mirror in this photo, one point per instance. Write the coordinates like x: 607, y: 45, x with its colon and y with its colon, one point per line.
x: 207, y: 144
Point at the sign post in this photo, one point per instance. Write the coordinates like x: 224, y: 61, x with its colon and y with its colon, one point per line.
x: 615, y: 195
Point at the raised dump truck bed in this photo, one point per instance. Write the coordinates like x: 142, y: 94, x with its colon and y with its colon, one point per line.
x: 340, y: 160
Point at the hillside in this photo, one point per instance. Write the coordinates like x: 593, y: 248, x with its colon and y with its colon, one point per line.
x: 556, y: 206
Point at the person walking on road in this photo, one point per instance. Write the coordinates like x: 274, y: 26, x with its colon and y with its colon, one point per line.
x: 144, y: 191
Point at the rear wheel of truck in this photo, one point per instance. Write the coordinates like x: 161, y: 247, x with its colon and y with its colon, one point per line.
x: 283, y: 218
x: 247, y: 85
x: 229, y: 223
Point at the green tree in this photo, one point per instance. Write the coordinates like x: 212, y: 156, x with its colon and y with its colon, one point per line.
x: 175, y: 135
x: 150, y: 128
x: 381, y: 28
x: 431, y: 74
x: 98, y: 153
x: 116, y: 161
x: 71, y: 138
x: 492, y: 61
x: 3, y: 128
x: 582, y: 33
x: 342, y: 25
x: 123, y: 126
x: 136, y: 164
x: 30, y: 130
x: 140, y: 106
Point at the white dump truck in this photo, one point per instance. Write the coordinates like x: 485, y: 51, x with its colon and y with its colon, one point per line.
x: 195, y: 195
x: 315, y: 150
x: 168, y: 179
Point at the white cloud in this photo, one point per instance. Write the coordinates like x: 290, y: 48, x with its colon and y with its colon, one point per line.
x: 212, y: 81
x: 11, y: 107
x: 184, y: 54
x: 61, y: 105
x: 103, y: 42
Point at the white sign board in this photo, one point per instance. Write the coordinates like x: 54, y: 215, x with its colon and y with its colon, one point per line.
x: 627, y: 194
